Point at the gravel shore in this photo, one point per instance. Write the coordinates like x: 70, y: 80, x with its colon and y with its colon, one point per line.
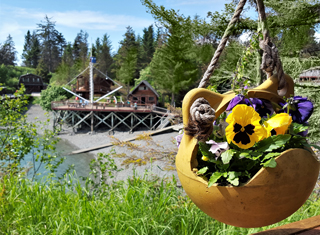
x: 84, y: 139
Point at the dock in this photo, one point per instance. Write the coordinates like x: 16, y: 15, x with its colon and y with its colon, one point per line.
x: 174, y: 127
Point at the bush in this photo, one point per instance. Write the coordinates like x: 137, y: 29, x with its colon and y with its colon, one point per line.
x: 53, y: 93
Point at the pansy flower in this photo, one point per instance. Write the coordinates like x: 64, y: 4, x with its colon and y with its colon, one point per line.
x: 299, y: 108
x: 217, y: 148
x: 178, y: 139
x: 278, y: 125
x: 262, y: 106
x: 244, y: 129
x: 238, y: 99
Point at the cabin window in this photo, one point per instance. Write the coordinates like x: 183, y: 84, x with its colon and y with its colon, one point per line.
x: 151, y: 98
x: 143, y: 88
x: 135, y: 98
x: 38, y: 79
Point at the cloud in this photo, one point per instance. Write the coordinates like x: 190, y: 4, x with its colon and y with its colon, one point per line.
x: 317, y: 36
x: 85, y: 20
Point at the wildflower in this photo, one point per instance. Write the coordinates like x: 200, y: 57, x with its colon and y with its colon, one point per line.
x: 238, y: 99
x: 217, y: 148
x: 299, y: 108
x: 178, y: 139
x: 262, y: 106
x: 278, y: 125
x: 244, y: 129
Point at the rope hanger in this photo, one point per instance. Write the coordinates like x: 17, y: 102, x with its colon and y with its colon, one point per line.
x: 201, y: 113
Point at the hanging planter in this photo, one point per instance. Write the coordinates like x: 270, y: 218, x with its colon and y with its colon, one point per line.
x: 271, y: 195
x: 276, y: 190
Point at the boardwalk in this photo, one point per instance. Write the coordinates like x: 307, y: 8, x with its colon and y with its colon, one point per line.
x: 110, y: 115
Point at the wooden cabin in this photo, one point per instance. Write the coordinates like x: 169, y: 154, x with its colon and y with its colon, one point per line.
x: 310, y: 75
x: 143, y: 94
x: 102, y: 85
x: 32, y: 83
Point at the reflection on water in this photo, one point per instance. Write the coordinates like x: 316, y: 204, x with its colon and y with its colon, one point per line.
x: 81, y: 161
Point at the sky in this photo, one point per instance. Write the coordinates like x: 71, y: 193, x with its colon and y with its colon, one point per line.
x: 94, y: 17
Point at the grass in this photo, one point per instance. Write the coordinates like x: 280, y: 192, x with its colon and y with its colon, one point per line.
x: 137, y: 206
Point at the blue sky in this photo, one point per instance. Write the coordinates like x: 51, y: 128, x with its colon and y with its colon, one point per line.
x: 95, y: 17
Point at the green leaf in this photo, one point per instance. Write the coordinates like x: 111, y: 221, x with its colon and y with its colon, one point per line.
x: 233, y: 178
x: 202, y: 170
x: 214, y: 178
x: 270, y: 155
x: 273, y: 142
x: 227, y: 156
x: 204, y: 148
x: 297, y: 128
x: 271, y: 163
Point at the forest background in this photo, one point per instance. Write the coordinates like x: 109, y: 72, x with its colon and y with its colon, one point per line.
x: 174, y: 55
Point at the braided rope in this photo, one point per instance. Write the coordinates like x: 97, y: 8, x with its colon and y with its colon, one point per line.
x: 222, y: 44
x: 270, y: 57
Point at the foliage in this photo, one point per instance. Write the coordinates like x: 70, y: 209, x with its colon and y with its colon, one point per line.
x: 140, y: 205
x: 53, y: 93
x: 8, y: 52
x: 9, y: 76
x: 174, y: 66
x: 31, y: 50
x: 312, y: 92
x: 254, y: 139
x: 103, y: 52
x: 19, y: 138
x: 52, y: 44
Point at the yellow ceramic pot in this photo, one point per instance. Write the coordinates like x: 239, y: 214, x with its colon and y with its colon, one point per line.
x: 270, y: 196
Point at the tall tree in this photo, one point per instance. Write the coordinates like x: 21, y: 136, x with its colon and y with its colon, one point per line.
x: 49, y: 44
x: 104, y: 55
x: 26, y: 49
x: 80, y: 49
x: 127, y: 58
x: 31, y: 50
x: 148, y: 46
x: 8, y: 52
x: 173, y: 65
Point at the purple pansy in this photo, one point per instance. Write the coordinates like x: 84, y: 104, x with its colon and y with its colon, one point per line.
x: 217, y: 148
x: 300, y: 109
x: 238, y: 99
x: 178, y: 139
x: 262, y: 106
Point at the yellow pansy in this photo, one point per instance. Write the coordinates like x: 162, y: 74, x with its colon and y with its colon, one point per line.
x: 244, y: 129
x: 278, y: 125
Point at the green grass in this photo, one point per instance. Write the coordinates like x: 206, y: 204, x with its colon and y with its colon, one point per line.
x: 137, y: 206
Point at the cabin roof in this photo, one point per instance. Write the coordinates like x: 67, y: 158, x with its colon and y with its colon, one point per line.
x: 148, y: 85
x: 31, y: 82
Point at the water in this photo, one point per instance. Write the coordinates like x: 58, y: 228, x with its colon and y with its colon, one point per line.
x: 63, y: 148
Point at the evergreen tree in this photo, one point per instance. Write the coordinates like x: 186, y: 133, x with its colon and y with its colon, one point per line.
x: 80, y: 49
x: 126, y: 60
x: 8, y: 52
x: 49, y: 44
x: 26, y: 49
x: 148, y: 46
x: 31, y: 50
x: 35, y: 52
x: 104, y: 55
x: 174, y: 66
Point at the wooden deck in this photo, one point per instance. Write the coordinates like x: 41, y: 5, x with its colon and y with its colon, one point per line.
x: 310, y: 226
x: 99, y: 108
